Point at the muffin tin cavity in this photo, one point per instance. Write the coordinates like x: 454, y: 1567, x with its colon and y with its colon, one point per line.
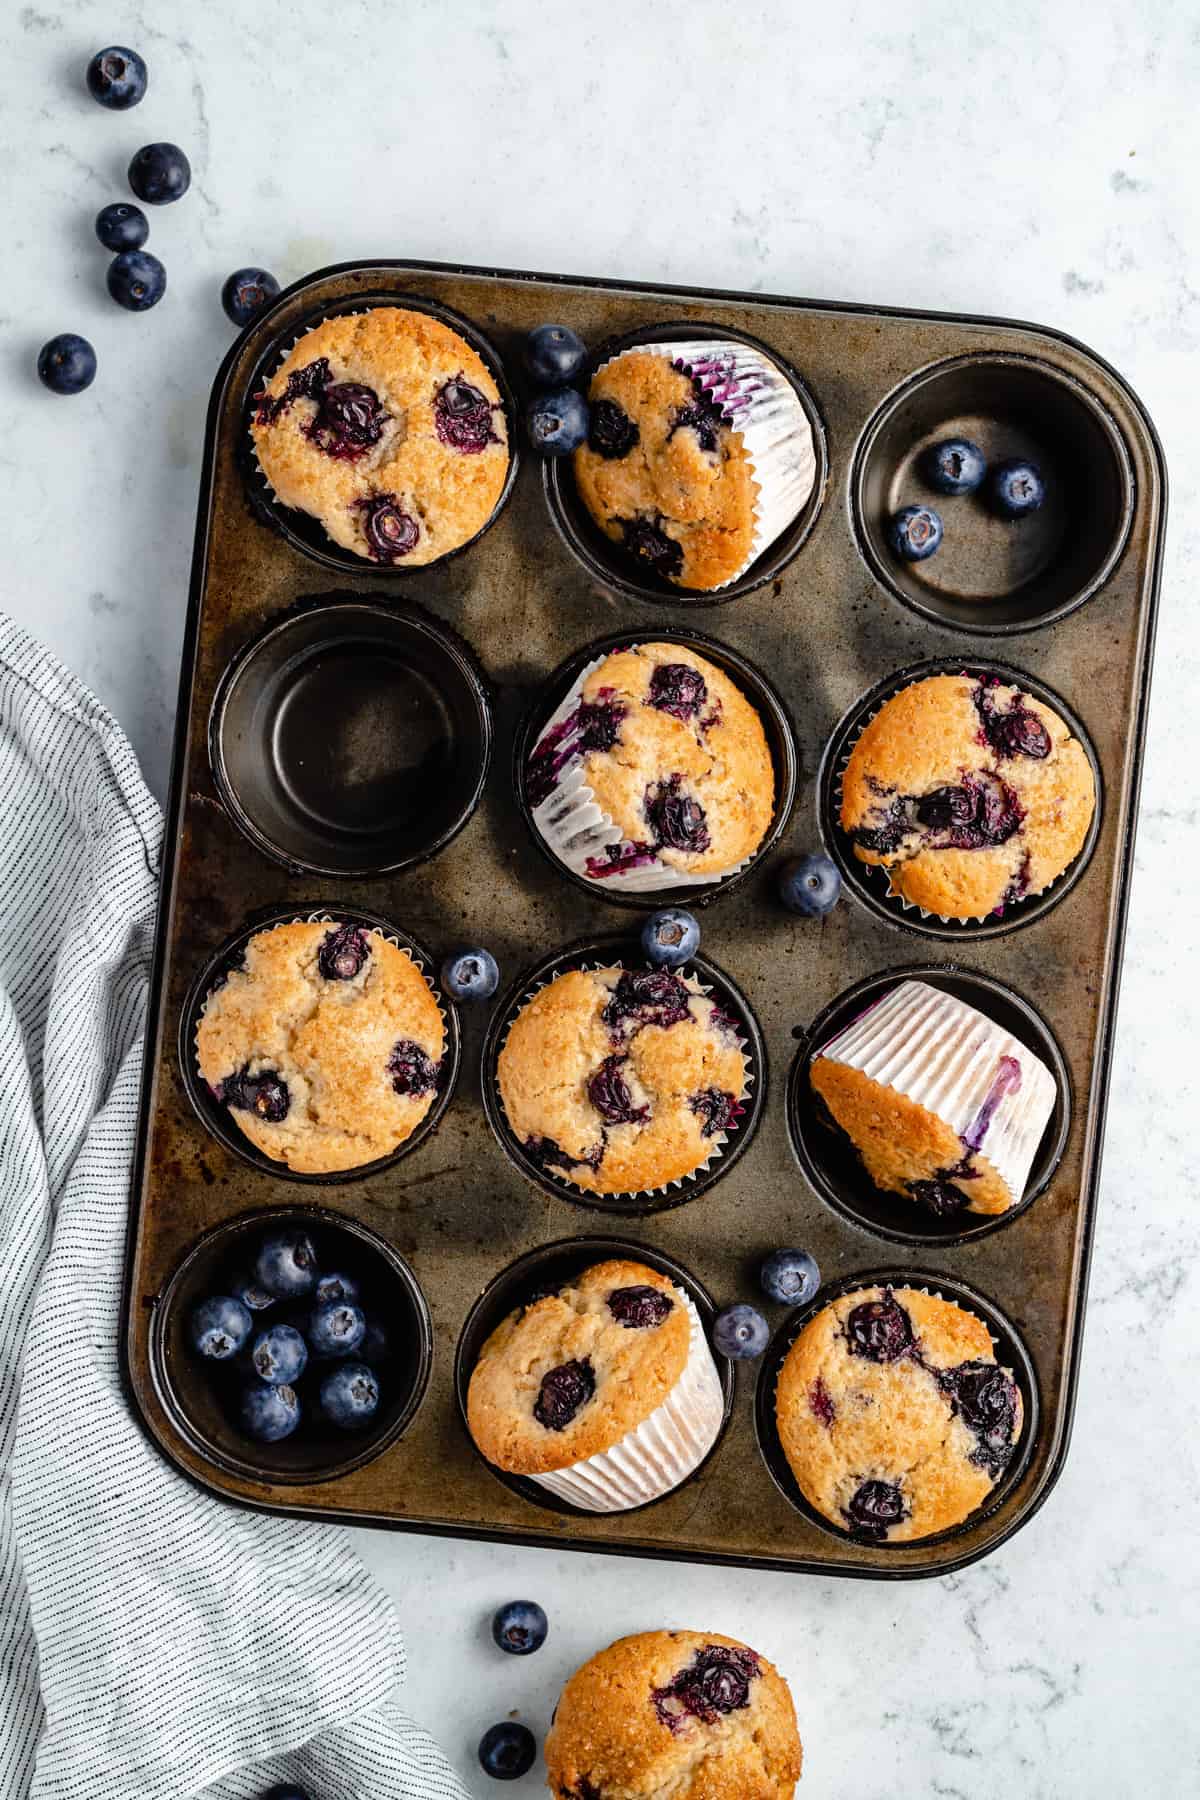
x: 1010, y: 1353
x: 615, y: 571
x: 869, y: 883
x: 215, y: 1117
x: 994, y: 576
x: 605, y: 953
x: 352, y: 739
x: 830, y: 1161
x: 543, y: 1271
x: 200, y: 1397
x: 776, y: 723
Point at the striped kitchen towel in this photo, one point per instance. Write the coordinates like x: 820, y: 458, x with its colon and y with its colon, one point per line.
x: 154, y: 1642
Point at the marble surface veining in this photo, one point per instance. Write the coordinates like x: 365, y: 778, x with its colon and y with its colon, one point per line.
x: 1023, y: 160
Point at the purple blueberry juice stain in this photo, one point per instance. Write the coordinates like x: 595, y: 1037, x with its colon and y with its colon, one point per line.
x: 463, y: 417
x: 715, y: 1682
x: 390, y: 532
x: 551, y: 1156
x: 640, y: 1308
x: 1007, y: 1080
x: 618, y: 859
x: 677, y: 821
x: 716, y: 1109
x: 609, y: 1093
x: 562, y: 1392
x: 264, y: 1094
x: 308, y: 383
x: 594, y: 725
x: 880, y: 1330
x: 611, y: 432
x: 412, y: 1071
x: 646, y: 540
x: 678, y: 689
x: 343, y: 953
x: 874, y: 1507
x: 820, y: 1404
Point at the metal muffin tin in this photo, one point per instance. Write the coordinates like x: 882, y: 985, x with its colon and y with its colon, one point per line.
x: 832, y: 620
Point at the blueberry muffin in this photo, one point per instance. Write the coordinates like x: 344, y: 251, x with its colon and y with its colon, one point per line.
x: 622, y: 1080
x: 605, y: 1392
x: 654, y: 770
x: 387, y: 427
x: 894, y: 1416
x: 689, y: 1714
x: 921, y: 1083
x: 325, y: 1046
x: 969, y: 793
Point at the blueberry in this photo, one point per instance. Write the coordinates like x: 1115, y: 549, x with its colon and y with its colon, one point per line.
x: 160, y: 173
x: 740, y: 1332
x: 554, y: 355
x: 789, y: 1276
x: 563, y: 1391
x: 875, y: 1506
x: 116, y: 77
x: 332, y: 1288
x: 350, y: 1396
x: 507, y: 1750
x: 915, y: 532
x: 471, y: 974
x: 136, y: 280
x: 336, y: 1329
x: 269, y: 1413
x: 279, y: 1354
x: 955, y: 466
x: 520, y: 1627
x: 880, y: 1330
x: 557, y: 423
x: 67, y: 364
x: 246, y: 293
x: 671, y: 937
x: 286, y: 1264
x: 219, y: 1327
x: 245, y: 1288
x: 1016, y: 488
x: 122, y: 226
x: 809, y: 885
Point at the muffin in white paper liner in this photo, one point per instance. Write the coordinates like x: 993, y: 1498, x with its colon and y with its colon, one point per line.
x: 989, y: 1088
x: 663, y: 1450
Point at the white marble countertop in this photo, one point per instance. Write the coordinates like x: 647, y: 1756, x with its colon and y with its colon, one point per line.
x: 1023, y: 160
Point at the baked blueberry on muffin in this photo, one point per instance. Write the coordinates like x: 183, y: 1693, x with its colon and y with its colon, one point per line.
x: 622, y: 1080
x: 690, y: 1714
x: 698, y: 455
x: 894, y: 1416
x: 605, y: 1392
x: 387, y: 427
x: 970, y: 794
x: 653, y: 772
x: 943, y: 1105
x: 325, y: 1046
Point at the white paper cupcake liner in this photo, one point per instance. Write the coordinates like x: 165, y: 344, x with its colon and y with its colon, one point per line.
x: 989, y: 1088
x: 663, y: 1450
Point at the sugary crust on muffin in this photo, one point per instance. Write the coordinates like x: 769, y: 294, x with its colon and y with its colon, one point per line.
x: 901, y: 1141
x: 885, y: 1421
x: 928, y: 737
x: 703, y: 499
x: 608, y: 1741
x: 558, y: 1042
x: 330, y: 1041
x: 406, y: 358
x: 720, y: 753
x: 635, y: 1369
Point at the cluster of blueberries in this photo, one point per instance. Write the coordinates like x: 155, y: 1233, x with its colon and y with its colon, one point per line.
x: 507, y: 1750
x: 556, y: 419
x: 955, y: 467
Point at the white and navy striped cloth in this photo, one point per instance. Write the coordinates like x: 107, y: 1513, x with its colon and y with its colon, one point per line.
x: 154, y: 1642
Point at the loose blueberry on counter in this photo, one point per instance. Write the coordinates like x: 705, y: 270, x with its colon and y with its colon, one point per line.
x: 740, y: 1332
x: 337, y: 1329
x: 557, y: 423
x: 915, y: 532
x: 520, y: 1627
x: 554, y: 355
x: 246, y: 293
x: 122, y: 226
x: 507, y: 1750
x: 269, y: 1413
x: 789, y: 1276
x: 334, y: 1289
x: 286, y: 1264
x: 349, y: 1396
x: 67, y: 364
x: 219, y: 1327
x: 136, y: 280
x: 471, y: 974
x: 955, y: 466
x: 159, y: 174
x: 279, y: 1355
x: 1015, y: 488
x: 116, y: 77
x: 671, y: 937
x: 809, y: 886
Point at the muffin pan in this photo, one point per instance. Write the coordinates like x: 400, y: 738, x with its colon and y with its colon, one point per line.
x: 830, y: 618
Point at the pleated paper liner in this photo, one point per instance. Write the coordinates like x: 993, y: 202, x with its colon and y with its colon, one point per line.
x: 215, y: 1117
x: 544, y: 1270
x: 726, y: 1146
x: 1010, y: 1353
x: 869, y: 882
